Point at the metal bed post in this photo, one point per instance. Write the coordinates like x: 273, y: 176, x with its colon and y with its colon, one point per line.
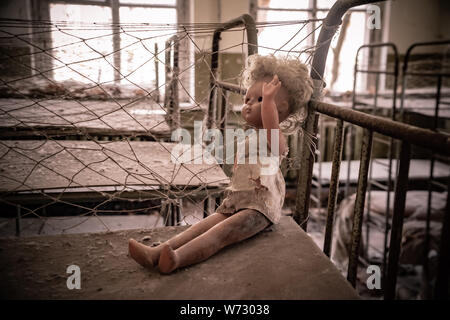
x: 442, y: 279
x: 252, y: 40
x: 334, y: 184
x: 329, y: 28
x: 366, y: 150
x: 206, y: 207
x: 319, y: 157
x: 351, y: 129
x: 171, y: 103
x: 401, y: 188
x: 18, y: 220
x: 390, y: 142
x: 441, y: 289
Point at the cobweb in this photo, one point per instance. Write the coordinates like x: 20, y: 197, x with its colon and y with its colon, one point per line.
x: 86, y: 119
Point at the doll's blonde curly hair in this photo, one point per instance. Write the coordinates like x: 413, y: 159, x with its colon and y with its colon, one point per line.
x: 293, y: 75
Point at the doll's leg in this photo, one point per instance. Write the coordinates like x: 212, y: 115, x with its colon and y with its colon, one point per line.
x: 238, y: 227
x: 149, y: 256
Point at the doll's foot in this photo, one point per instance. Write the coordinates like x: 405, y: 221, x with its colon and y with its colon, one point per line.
x: 142, y: 254
x: 168, y: 260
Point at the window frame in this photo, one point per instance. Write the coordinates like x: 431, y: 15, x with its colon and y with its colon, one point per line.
x: 41, y: 11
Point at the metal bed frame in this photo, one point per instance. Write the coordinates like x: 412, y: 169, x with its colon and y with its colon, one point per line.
x: 394, y: 113
x: 398, y: 113
x: 432, y: 183
x: 390, y: 143
x: 407, y: 134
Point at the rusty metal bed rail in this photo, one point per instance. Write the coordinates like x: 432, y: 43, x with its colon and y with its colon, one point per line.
x: 408, y: 135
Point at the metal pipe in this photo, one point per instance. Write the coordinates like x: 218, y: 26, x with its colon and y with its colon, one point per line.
x: 252, y: 43
x: 205, y: 207
x: 334, y: 184
x: 329, y: 28
x: 319, y: 162
x: 375, y: 72
x: 18, y: 219
x: 369, y: 187
x: 430, y: 189
x: 425, y: 138
x: 366, y: 150
x: 390, y: 142
x: 349, y: 151
x: 442, y: 279
x: 390, y: 156
x: 179, y: 207
x: 426, y: 270
x: 223, y: 114
x: 167, y: 69
x: 174, y: 84
x: 231, y: 87
x: 401, y: 188
x: 351, y: 130
x: 438, y: 100
x: 388, y: 202
x: 305, y: 173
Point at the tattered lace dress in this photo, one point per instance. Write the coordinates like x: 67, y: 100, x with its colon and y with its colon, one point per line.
x: 259, y: 186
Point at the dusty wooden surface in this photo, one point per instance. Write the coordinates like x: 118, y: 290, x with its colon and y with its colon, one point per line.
x: 283, y: 263
x: 81, y: 117
x: 36, y: 165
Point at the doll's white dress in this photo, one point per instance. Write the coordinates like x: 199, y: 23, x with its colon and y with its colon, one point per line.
x: 259, y: 186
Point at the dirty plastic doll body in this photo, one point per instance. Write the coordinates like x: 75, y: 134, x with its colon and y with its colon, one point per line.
x: 267, y: 103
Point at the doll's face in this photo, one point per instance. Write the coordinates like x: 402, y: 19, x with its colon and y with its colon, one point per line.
x: 251, y: 112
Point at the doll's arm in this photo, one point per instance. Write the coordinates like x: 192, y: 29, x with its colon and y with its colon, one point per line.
x: 269, y: 112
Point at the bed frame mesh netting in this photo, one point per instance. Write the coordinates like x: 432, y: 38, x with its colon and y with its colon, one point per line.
x: 87, y: 112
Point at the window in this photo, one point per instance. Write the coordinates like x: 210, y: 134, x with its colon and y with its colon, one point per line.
x: 298, y: 37
x: 76, y: 41
x: 110, y: 41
